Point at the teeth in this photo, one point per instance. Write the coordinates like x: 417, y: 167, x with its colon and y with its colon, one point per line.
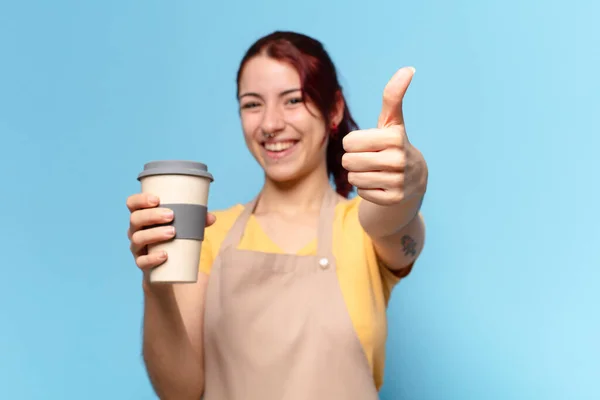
x: 279, y: 146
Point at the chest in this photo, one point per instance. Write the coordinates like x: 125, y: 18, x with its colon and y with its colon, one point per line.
x: 288, y: 234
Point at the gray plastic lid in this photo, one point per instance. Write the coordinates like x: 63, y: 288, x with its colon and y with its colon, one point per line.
x: 175, y: 167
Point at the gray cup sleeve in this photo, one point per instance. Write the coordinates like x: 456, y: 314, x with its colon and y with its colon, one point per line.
x: 189, y: 220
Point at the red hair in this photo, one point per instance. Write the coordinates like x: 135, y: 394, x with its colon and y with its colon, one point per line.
x: 320, y: 84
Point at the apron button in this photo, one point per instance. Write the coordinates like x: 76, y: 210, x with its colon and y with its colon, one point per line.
x: 324, y: 263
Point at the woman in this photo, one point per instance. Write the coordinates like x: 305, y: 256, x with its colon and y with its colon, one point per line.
x: 292, y: 295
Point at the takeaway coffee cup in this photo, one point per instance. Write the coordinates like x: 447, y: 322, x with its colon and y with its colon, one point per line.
x: 181, y: 186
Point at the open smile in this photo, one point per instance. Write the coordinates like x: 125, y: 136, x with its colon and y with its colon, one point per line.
x: 278, y: 150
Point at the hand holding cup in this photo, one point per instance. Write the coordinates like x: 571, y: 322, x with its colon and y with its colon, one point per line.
x: 146, y: 215
x: 168, y: 219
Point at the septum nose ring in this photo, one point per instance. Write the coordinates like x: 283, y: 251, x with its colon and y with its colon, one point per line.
x: 268, y: 135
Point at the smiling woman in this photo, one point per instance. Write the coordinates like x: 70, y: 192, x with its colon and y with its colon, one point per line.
x: 282, y: 71
x: 292, y: 296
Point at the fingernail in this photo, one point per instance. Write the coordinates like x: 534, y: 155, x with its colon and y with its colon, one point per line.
x: 170, y: 231
x: 413, y: 69
x: 168, y: 213
x: 153, y: 200
x: 162, y: 255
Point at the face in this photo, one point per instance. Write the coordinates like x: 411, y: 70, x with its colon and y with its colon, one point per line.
x: 286, y: 135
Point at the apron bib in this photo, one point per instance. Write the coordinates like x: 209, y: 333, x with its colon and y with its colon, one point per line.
x: 276, y: 326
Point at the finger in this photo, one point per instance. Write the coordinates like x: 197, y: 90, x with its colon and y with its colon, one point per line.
x: 380, y: 196
x: 210, y: 219
x: 393, y: 95
x: 386, y: 160
x: 141, y: 220
x: 376, y: 180
x: 151, y: 260
x: 143, y: 238
x: 373, y: 139
x: 148, y: 217
x: 141, y: 200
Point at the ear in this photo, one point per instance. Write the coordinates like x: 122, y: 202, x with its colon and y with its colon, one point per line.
x: 337, y: 113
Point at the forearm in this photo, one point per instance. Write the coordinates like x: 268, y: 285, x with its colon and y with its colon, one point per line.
x: 174, y: 367
x: 397, y: 231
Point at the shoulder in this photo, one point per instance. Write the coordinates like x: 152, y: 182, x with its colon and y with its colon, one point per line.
x: 216, y: 233
x: 347, y: 219
x: 225, y: 219
x: 346, y: 212
x: 347, y: 226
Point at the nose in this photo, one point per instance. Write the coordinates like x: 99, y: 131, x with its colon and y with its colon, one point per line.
x: 273, y: 121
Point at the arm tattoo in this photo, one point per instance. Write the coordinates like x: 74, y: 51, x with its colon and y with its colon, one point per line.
x: 409, y: 246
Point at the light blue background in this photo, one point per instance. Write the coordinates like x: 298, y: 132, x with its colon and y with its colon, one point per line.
x: 504, y: 105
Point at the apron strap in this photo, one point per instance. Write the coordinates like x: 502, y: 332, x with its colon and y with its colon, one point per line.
x: 234, y: 236
x: 325, y: 230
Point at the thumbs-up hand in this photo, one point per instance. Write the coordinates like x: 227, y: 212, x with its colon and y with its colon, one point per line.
x: 381, y: 163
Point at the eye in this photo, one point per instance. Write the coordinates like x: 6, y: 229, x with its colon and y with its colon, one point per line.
x: 250, y: 105
x: 295, y: 100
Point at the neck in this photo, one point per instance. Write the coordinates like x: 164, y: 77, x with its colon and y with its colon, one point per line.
x: 303, y: 195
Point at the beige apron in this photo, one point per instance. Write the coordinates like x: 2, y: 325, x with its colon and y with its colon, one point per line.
x: 276, y: 326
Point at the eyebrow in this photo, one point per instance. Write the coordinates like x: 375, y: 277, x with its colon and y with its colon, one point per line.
x: 253, y: 94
